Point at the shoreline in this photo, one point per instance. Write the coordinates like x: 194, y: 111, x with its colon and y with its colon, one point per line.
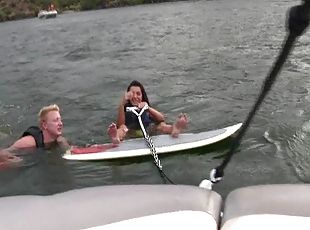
x: 11, y: 10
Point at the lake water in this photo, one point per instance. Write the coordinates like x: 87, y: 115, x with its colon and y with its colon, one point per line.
x: 205, y: 58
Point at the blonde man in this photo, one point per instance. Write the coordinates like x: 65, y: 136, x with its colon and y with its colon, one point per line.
x: 46, y: 135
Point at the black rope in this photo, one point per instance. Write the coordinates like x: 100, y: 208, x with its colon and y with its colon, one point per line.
x: 164, y: 176
x: 297, y: 22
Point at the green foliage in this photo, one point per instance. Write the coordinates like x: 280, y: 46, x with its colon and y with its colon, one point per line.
x: 118, y: 3
x: 7, y: 11
x: 89, y: 4
x: 42, y: 2
x: 66, y: 3
x: 135, y: 2
x: 3, y: 16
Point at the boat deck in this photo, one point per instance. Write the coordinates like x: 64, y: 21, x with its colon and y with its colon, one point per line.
x: 157, y: 206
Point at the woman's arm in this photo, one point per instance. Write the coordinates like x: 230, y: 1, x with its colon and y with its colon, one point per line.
x: 121, y: 113
x: 156, y: 115
x: 120, y: 116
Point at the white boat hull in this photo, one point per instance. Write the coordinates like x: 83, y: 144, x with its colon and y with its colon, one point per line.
x: 158, y: 206
x: 44, y: 14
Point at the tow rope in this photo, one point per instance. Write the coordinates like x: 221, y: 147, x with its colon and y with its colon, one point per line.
x: 296, y: 24
x: 149, y: 140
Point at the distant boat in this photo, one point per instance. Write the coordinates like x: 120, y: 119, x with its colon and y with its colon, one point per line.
x: 44, y: 14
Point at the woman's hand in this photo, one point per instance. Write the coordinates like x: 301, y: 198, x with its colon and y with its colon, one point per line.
x: 127, y: 97
x: 142, y: 104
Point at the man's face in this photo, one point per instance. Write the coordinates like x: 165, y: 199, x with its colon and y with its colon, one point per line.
x: 53, y: 124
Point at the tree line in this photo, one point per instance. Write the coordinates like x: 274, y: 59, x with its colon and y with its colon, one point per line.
x: 18, y: 9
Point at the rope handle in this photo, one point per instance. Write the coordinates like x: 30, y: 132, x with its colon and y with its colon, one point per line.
x: 134, y: 110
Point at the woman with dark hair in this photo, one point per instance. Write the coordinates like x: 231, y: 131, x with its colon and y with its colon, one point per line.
x: 127, y: 122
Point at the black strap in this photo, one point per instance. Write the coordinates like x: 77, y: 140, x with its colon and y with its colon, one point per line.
x: 297, y: 22
x: 37, y: 134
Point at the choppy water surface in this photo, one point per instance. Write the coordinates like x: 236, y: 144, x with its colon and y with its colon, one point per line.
x: 205, y: 58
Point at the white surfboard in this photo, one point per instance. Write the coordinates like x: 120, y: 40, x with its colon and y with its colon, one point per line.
x: 163, y: 144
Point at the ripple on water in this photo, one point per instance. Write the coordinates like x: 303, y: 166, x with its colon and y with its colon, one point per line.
x: 78, y: 54
x: 205, y: 58
x: 294, y: 147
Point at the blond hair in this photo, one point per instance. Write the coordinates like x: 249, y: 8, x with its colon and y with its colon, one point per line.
x: 45, y: 110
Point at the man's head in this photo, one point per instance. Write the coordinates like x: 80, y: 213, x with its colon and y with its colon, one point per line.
x: 50, y: 120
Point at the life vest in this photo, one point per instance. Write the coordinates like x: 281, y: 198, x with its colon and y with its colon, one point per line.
x: 37, y: 134
x: 131, y: 119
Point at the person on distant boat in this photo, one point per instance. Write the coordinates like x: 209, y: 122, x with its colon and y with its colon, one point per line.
x: 52, y: 7
x: 153, y: 120
x: 47, y: 135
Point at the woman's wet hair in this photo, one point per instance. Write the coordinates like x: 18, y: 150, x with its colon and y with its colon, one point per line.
x: 138, y: 84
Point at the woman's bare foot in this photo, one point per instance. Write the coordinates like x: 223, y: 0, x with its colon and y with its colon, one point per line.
x: 112, y: 132
x: 179, y: 125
